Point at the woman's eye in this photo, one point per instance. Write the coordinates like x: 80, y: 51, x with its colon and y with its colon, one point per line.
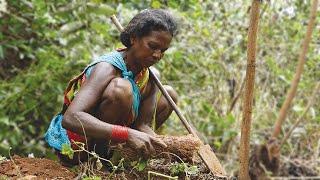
x: 152, y: 46
x: 163, y: 50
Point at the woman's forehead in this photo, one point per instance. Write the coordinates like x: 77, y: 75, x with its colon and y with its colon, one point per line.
x: 159, y: 37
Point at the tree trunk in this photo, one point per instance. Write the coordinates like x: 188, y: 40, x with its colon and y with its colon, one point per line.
x: 249, y: 87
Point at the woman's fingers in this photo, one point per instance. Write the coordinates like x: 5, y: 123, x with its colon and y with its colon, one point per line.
x: 145, y: 143
x: 158, y: 141
x: 151, y: 148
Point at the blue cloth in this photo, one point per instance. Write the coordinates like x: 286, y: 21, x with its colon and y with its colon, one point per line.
x: 56, y: 135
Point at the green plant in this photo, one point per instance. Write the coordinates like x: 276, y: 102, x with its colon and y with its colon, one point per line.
x: 67, y: 150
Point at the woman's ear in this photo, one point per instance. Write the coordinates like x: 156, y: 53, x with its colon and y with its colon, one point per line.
x: 132, y: 40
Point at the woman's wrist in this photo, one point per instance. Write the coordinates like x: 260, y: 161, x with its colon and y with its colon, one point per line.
x: 119, y: 133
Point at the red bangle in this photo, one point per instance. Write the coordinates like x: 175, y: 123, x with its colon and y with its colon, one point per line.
x: 119, y: 133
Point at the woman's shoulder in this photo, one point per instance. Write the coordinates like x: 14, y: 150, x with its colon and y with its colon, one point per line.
x: 102, y: 68
x: 103, y: 63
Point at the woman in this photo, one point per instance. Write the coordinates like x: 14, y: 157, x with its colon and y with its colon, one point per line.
x: 117, y: 100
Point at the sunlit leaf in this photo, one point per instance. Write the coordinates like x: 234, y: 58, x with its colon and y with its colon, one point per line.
x: 67, y: 150
x: 142, y: 164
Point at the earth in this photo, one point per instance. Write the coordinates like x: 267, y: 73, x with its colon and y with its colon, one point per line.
x: 34, y: 168
x: 22, y: 168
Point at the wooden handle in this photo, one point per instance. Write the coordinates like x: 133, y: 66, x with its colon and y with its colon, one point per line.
x: 173, y: 105
x: 116, y: 22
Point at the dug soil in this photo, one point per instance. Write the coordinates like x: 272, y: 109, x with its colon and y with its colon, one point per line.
x: 33, y: 168
x: 38, y: 168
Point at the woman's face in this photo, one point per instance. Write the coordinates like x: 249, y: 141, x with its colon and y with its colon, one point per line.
x: 149, y: 49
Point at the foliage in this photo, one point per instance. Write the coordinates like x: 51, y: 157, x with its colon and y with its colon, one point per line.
x: 183, y: 168
x: 177, y: 168
x: 67, y: 150
x: 141, y: 165
x: 43, y: 44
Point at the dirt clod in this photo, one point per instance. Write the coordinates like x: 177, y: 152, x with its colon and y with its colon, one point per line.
x: 34, y: 168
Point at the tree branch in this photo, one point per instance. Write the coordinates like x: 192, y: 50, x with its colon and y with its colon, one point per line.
x: 295, y: 81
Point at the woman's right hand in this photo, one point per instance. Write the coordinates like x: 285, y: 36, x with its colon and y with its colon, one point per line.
x: 143, y: 142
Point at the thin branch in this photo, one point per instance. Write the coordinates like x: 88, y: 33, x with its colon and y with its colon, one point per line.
x: 295, y: 81
x: 15, y: 165
x: 311, y: 102
x: 161, y: 175
x: 235, y: 99
x: 84, y: 133
x: 82, y: 148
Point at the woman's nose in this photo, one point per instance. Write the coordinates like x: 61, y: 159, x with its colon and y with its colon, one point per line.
x: 157, y: 54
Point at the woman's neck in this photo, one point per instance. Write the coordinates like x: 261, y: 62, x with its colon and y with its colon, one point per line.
x: 131, y: 64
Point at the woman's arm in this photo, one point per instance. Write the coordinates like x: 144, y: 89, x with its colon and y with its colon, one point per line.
x: 78, y: 117
x: 86, y: 100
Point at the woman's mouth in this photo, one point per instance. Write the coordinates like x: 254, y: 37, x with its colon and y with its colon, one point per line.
x: 150, y: 61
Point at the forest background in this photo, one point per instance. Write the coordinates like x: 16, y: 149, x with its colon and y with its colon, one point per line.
x: 43, y: 44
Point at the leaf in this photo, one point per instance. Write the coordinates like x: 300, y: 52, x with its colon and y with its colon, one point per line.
x: 133, y: 163
x: 312, y: 112
x: 206, y: 32
x: 99, y: 164
x: 217, y: 144
x: 67, y: 150
x: 101, y: 9
x: 5, y: 121
x: 70, y: 27
x: 155, y: 4
x: 177, y: 168
x: 99, y: 27
x: 230, y: 119
x: 192, y: 170
x: 142, y: 164
x: 1, y: 53
x: 297, y: 108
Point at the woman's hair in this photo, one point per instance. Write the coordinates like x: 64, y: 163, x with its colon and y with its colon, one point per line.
x: 146, y: 21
